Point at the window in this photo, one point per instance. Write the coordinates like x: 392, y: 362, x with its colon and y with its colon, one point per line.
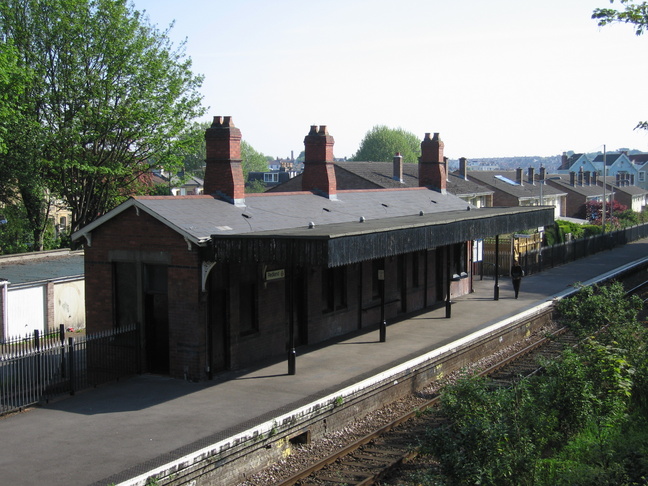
x: 334, y: 291
x: 270, y: 177
x: 642, y: 176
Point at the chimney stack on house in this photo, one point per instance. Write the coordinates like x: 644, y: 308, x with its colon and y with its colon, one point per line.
x: 580, y: 176
x: 398, y: 167
x: 432, y: 166
x: 223, y: 170
x: 531, y: 175
x: 572, y: 178
x: 518, y: 176
x: 542, y: 174
x: 463, y: 168
x: 564, y: 161
x: 319, y: 171
x: 587, y: 176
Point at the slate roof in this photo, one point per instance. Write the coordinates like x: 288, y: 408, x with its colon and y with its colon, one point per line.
x: 524, y: 191
x: 593, y: 190
x: 24, y: 269
x: 197, y: 218
x: 374, y: 175
x: 630, y: 189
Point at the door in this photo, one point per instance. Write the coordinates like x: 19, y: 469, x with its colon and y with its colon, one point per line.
x: 156, y: 318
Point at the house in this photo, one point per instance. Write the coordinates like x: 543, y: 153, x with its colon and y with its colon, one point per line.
x: 40, y: 291
x: 580, y: 189
x: 273, y: 178
x: 622, y: 190
x: 179, y: 185
x: 616, y: 163
x: 223, y: 280
x: 396, y: 175
x: 575, y: 163
x: 640, y: 161
x: 513, y: 188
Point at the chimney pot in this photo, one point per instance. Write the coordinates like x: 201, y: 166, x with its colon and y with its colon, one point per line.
x: 223, y: 170
x: 432, y: 165
x: 463, y: 169
x: 397, y: 173
x: 319, y: 169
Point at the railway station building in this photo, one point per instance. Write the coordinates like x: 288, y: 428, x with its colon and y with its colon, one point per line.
x: 224, y: 280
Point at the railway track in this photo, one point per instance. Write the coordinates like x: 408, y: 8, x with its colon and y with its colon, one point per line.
x: 365, y: 461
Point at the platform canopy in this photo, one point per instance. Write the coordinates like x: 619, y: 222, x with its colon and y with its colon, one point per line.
x: 337, y: 244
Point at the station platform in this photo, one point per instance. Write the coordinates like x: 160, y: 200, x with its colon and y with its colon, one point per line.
x: 123, y: 430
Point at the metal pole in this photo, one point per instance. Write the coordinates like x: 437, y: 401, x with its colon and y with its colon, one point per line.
x: 496, y: 296
x: 292, y: 353
x: 383, y: 322
x: 604, y: 195
x: 448, y: 307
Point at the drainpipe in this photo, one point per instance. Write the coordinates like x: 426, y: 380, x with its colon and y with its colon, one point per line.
x: 5, y: 307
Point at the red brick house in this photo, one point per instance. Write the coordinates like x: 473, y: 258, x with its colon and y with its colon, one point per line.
x: 222, y: 280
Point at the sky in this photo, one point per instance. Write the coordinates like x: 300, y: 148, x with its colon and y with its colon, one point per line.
x: 496, y: 78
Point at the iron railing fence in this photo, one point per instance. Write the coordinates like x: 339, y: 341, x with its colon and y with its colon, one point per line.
x: 37, y: 368
x: 534, y: 261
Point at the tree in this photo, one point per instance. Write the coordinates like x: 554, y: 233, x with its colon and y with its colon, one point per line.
x: 107, y: 101
x: 381, y: 143
x: 194, y: 152
x: 632, y: 13
x: 252, y: 160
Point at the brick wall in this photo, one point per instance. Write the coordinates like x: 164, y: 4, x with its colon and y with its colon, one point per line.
x: 141, y: 239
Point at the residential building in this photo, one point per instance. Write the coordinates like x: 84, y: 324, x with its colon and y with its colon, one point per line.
x: 514, y: 188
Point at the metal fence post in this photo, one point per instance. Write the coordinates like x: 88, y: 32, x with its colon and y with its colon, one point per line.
x: 62, y: 340
x: 71, y: 363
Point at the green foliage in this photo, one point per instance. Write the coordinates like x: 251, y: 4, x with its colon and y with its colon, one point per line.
x: 596, y: 306
x: 635, y: 13
x: 108, y: 99
x: 255, y: 186
x: 251, y: 160
x: 567, y: 426
x: 194, y: 152
x: 487, y: 438
x: 381, y: 143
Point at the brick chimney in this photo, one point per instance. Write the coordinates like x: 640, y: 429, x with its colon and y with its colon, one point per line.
x: 398, y: 167
x: 463, y: 168
x: 223, y: 171
x: 564, y: 161
x: 531, y: 175
x: 518, y: 176
x: 319, y: 171
x: 572, y: 178
x: 432, y: 167
x: 542, y: 174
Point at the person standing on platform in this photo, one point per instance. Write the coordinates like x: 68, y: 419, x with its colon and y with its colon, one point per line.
x: 516, y: 274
